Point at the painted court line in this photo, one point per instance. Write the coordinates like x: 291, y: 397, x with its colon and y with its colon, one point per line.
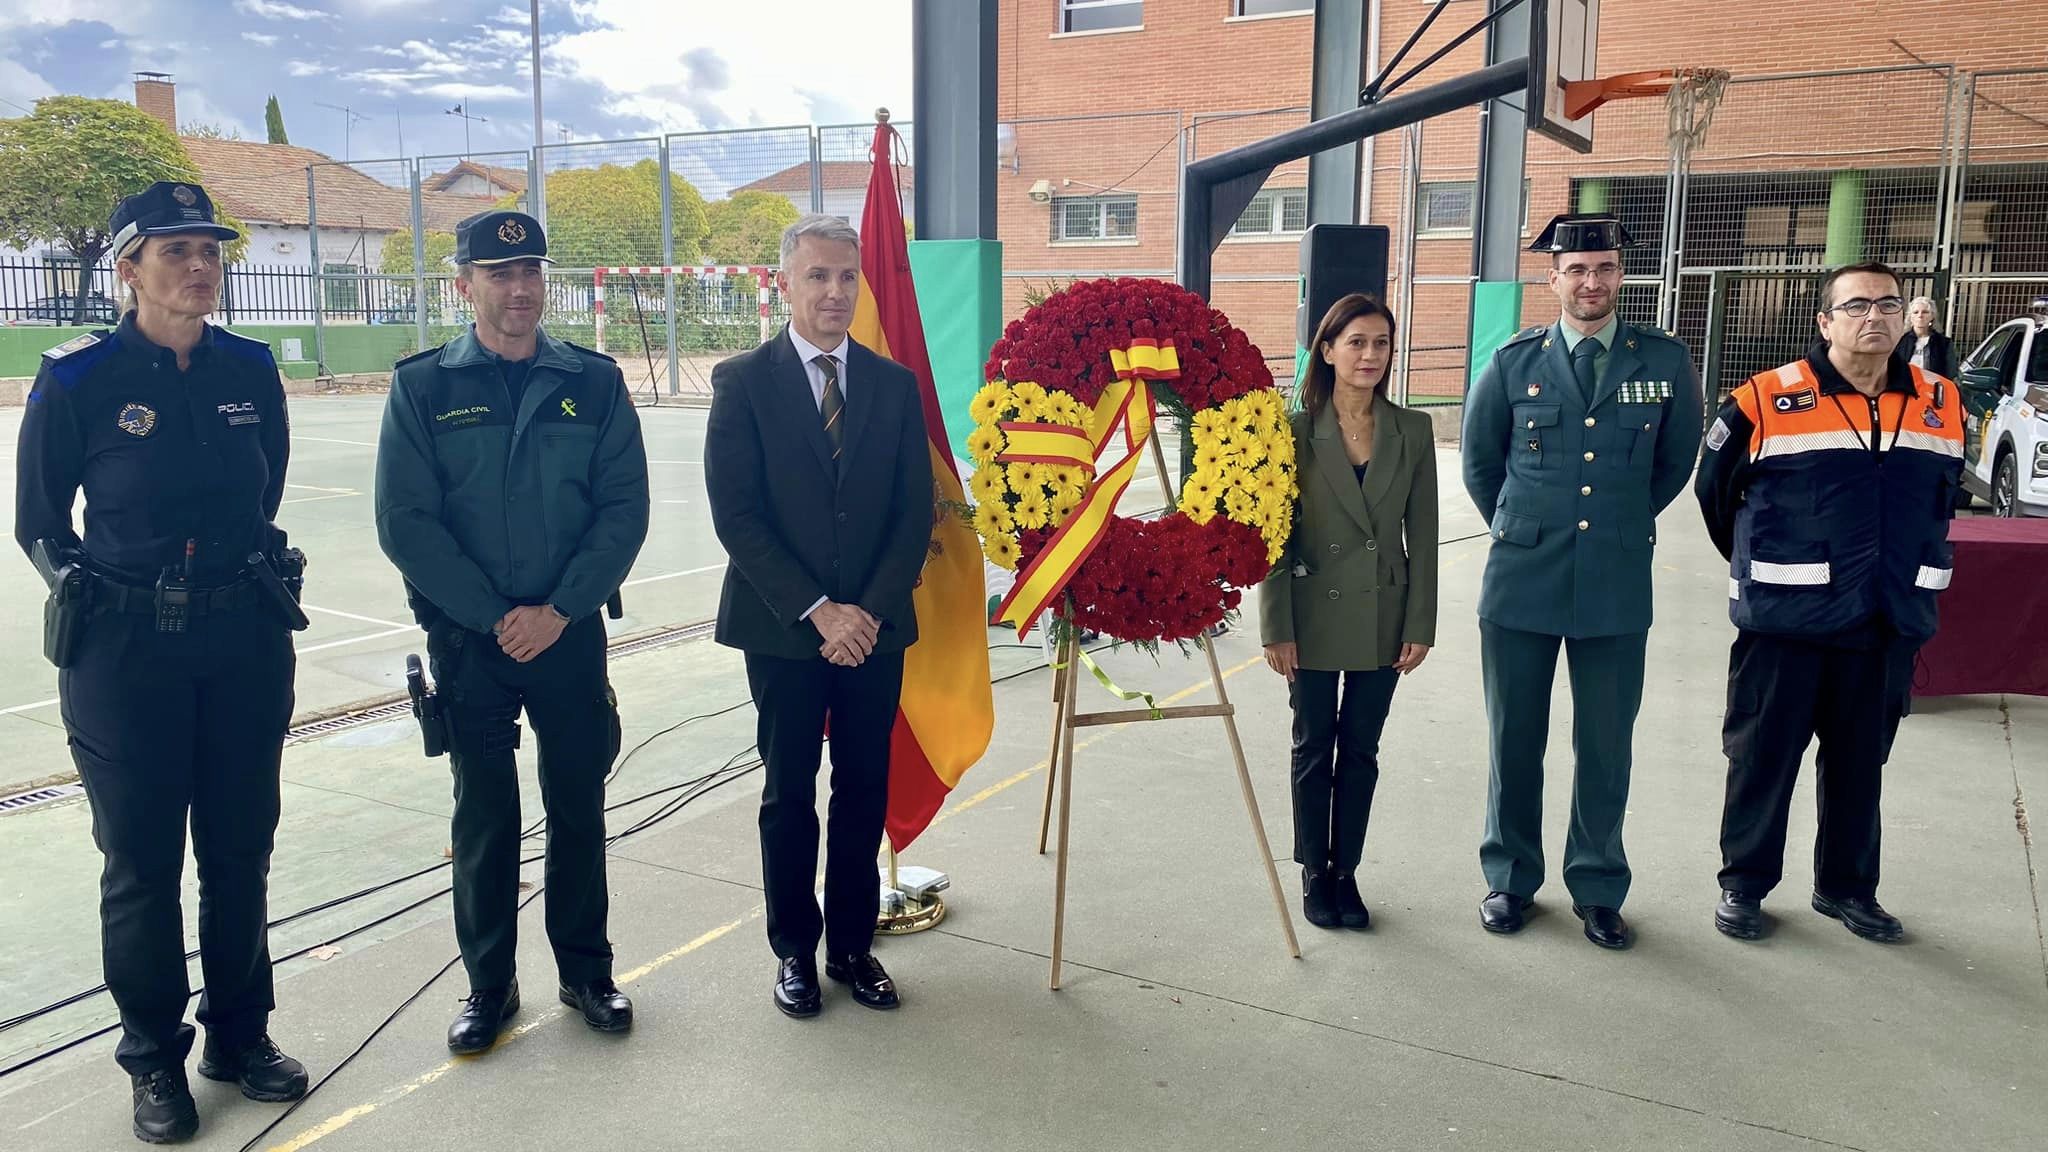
x: 352, y: 616
x: 344, y: 1118
x: 673, y: 575
x: 332, y: 440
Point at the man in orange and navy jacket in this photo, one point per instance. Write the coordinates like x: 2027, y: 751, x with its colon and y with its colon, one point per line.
x: 1828, y: 484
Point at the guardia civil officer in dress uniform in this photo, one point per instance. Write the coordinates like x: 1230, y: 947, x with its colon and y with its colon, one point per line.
x: 512, y: 496
x: 1828, y: 484
x: 175, y: 658
x: 1576, y: 436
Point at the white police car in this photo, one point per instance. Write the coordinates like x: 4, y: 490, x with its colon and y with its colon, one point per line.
x: 2004, y: 387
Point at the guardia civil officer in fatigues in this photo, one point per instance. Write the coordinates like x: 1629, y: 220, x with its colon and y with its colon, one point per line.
x: 1576, y: 436
x: 170, y: 623
x: 512, y: 496
x: 1828, y: 484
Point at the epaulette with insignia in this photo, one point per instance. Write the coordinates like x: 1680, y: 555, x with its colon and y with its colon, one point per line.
x: 76, y: 344
x: 1527, y: 334
x: 590, y: 352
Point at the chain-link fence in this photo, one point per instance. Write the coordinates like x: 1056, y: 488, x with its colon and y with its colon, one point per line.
x: 1999, y: 223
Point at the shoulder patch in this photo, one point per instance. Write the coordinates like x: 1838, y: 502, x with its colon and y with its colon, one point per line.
x: 76, y: 344
x: 1718, y: 434
x: 593, y: 353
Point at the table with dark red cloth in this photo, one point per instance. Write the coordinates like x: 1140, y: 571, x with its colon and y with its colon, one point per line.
x: 1993, y: 631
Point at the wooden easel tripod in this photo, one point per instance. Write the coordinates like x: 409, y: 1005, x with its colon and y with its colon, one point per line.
x: 1060, y: 764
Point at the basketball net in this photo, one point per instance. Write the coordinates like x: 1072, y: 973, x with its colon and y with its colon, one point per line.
x: 1690, y: 104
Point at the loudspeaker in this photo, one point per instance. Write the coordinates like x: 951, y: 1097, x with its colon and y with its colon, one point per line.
x: 1337, y: 260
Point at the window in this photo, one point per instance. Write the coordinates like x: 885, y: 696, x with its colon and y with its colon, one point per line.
x: 1273, y: 7
x: 1274, y: 212
x: 1094, y: 218
x: 342, y: 291
x: 2037, y: 362
x: 1101, y: 15
x: 1447, y: 206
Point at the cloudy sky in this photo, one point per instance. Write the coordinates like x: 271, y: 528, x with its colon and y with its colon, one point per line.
x: 610, y: 68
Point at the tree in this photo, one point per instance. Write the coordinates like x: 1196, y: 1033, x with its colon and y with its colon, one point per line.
x: 610, y: 216
x: 66, y: 165
x: 273, y: 122
x: 747, y: 228
x: 206, y: 131
x: 397, y: 258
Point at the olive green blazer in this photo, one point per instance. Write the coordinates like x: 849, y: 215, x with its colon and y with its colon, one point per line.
x: 1358, y: 578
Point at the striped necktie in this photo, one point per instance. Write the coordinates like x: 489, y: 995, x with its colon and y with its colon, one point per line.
x: 831, y: 406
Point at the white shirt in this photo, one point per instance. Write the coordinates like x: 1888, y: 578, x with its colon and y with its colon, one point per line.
x: 1920, y: 352
x: 808, y: 353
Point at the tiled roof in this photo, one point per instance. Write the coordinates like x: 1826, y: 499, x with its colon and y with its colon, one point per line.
x: 838, y: 175
x: 266, y: 183
x: 512, y: 180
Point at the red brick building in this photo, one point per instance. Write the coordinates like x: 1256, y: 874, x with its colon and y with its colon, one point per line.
x: 1101, y: 102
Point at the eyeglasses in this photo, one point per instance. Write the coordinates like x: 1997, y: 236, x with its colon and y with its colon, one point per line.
x: 1604, y: 271
x: 1858, y: 308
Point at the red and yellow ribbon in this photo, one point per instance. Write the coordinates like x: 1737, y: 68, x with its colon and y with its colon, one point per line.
x: 1126, y: 407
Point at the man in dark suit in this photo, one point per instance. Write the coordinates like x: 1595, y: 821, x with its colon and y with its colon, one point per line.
x: 818, y: 472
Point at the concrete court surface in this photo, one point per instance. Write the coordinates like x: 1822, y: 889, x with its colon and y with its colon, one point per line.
x: 361, y: 630
x: 1182, y: 1023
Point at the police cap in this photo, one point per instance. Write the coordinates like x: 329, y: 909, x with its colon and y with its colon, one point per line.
x: 1583, y: 232
x: 164, y: 208
x: 500, y: 238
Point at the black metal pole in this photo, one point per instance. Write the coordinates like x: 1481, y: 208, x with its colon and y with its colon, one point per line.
x: 1243, y: 169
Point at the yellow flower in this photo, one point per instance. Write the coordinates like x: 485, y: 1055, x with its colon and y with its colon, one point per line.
x: 1027, y: 394
x: 1252, y: 449
x: 991, y: 520
x: 987, y: 484
x: 1002, y: 551
x: 1210, y: 421
x: 1239, y: 504
x: 1069, y: 476
x: 1201, y: 492
x: 1064, y: 501
x: 1019, y: 476
x: 984, y: 444
x: 1208, y: 455
x: 1268, y: 482
x: 1034, y: 413
x: 989, y: 404
x: 1231, y: 477
x: 1069, y: 410
x: 1033, y: 510
x: 1201, y: 514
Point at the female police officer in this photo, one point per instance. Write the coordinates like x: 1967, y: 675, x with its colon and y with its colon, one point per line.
x: 177, y: 682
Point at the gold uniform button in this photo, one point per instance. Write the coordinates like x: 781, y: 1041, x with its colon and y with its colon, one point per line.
x: 1585, y: 489
x: 1583, y: 525
x: 1589, y: 457
x: 1590, y: 421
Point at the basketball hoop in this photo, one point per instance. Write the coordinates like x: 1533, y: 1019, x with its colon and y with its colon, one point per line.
x: 1690, y: 96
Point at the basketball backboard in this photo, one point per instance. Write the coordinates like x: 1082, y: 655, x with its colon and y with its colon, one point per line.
x: 1563, y: 37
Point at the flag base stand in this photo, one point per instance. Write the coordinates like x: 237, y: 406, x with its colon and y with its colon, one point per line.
x: 1060, y: 765
x: 910, y: 899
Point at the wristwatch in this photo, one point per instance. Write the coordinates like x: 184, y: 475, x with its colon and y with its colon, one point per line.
x: 559, y: 614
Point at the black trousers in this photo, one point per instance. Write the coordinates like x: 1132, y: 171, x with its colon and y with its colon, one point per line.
x: 563, y: 693
x: 166, y: 728
x: 1784, y: 692
x: 1336, y: 762
x: 794, y: 700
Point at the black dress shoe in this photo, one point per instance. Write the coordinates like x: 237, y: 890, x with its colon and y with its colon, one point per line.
x: 263, y: 1072
x: 165, y: 1112
x: 483, y: 1015
x: 796, y: 988
x: 860, y: 971
x: 1739, y: 915
x: 1604, y: 926
x: 1501, y: 913
x: 1863, y: 916
x: 1351, y: 909
x: 604, y: 1007
x: 1318, y: 900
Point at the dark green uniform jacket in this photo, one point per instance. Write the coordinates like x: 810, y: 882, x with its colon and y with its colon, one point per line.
x: 482, y: 507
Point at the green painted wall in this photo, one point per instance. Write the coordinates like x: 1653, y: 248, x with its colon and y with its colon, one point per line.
x: 1592, y: 196
x: 351, y: 348
x: 960, y: 300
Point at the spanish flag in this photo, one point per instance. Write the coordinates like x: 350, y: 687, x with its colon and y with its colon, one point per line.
x: 948, y: 708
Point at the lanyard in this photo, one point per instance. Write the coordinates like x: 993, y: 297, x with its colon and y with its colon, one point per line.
x: 1876, y: 443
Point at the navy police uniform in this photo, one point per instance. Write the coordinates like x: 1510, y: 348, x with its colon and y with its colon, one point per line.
x: 504, y: 483
x: 1572, y: 446
x: 1832, y: 508
x: 182, y: 471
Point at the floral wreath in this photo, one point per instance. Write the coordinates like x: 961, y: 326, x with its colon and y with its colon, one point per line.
x: 1071, y: 382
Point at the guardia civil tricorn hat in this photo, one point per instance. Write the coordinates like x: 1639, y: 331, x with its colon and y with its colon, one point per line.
x: 1583, y: 232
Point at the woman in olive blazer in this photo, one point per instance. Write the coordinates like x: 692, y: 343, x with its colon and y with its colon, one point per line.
x: 1351, y: 607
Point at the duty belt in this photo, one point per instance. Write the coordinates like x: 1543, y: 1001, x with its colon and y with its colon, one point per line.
x: 127, y: 599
